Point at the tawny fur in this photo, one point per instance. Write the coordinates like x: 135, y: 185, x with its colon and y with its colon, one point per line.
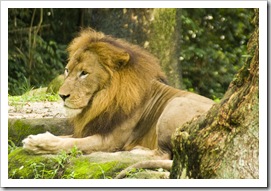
x: 150, y: 164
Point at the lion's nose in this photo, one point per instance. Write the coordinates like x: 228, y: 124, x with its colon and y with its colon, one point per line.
x: 64, y: 97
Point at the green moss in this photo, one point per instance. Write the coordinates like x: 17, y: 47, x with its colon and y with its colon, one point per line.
x: 72, y: 165
x: 28, y: 166
x: 83, y: 168
x: 21, y: 165
x: 56, y: 83
x: 18, y: 130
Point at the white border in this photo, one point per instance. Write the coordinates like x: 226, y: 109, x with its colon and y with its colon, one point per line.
x: 134, y: 4
x: 261, y: 182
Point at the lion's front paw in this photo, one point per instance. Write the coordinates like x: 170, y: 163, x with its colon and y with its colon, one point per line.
x: 42, y: 143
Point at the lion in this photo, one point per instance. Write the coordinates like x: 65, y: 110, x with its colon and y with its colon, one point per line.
x: 121, y: 98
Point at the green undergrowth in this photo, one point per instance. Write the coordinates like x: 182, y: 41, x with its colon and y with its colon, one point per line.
x: 22, y: 166
x: 49, y: 93
x: 65, y: 165
x: 74, y: 165
x: 33, y: 96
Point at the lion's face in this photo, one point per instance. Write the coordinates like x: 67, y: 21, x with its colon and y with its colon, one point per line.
x: 84, y: 77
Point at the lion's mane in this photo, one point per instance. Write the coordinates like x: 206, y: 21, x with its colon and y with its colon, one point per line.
x: 130, y: 83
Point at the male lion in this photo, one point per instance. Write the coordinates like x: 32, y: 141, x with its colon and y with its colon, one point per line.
x: 122, y: 100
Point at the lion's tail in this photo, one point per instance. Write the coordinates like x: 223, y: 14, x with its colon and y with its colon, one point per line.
x: 150, y: 164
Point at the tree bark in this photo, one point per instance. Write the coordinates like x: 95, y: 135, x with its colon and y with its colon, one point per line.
x: 176, y: 50
x: 224, y: 143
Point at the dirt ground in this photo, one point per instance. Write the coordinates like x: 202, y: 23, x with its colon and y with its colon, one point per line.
x: 37, y: 110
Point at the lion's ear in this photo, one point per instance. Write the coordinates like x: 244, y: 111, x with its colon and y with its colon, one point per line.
x: 122, y: 58
x: 111, y: 55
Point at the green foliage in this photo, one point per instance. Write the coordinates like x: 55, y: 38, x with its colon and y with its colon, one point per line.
x: 35, y: 95
x: 75, y: 152
x: 11, y: 146
x: 32, y: 60
x: 41, y: 167
x: 211, y: 45
x: 23, y: 167
x: 200, y: 49
x: 40, y: 171
x: 15, y: 100
x: 46, y: 62
x: 65, y: 165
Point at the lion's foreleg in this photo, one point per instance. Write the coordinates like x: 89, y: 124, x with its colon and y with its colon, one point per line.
x: 46, y: 143
x: 65, y: 136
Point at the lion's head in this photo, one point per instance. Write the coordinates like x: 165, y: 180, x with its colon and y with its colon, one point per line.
x: 106, y: 75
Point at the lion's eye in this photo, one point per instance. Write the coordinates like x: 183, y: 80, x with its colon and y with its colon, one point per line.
x: 83, y: 74
x: 66, y: 71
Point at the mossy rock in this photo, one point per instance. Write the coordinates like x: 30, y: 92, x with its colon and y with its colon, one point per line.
x: 100, y: 165
x: 83, y: 168
x: 55, y: 84
x: 22, y: 166
x: 18, y: 129
x: 36, y: 92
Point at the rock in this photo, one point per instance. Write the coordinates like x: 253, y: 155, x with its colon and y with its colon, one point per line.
x: 18, y: 129
x: 36, y: 92
x: 74, y: 165
x: 37, y: 110
x: 55, y: 84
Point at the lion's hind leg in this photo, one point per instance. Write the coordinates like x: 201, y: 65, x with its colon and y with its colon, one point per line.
x: 149, y: 164
x: 157, y: 159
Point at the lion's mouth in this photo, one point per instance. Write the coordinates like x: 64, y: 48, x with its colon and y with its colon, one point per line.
x: 72, y: 106
x: 72, y: 111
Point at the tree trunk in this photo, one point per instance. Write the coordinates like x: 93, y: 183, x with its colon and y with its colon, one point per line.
x: 224, y: 143
x: 176, y: 50
x: 81, y: 17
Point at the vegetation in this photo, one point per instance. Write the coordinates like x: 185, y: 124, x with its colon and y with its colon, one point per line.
x: 30, y: 97
x: 74, y: 165
x: 20, y: 130
x: 40, y: 167
x: 200, y: 49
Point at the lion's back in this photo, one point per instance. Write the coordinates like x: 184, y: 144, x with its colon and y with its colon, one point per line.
x: 178, y: 111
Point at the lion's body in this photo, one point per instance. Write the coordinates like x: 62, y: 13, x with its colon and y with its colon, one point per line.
x: 122, y: 99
